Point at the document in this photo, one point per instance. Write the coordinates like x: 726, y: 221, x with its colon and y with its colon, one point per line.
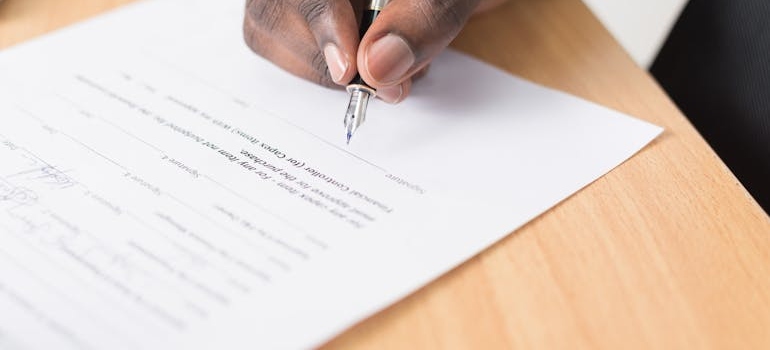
x: 162, y: 187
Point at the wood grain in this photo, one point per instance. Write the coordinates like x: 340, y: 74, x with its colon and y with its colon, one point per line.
x: 668, y: 251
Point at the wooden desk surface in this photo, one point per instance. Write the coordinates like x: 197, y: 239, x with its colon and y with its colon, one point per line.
x: 667, y: 251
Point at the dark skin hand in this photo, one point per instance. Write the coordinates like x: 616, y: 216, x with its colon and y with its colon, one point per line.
x: 318, y: 39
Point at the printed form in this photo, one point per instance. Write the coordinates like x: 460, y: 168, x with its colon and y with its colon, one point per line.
x: 163, y: 187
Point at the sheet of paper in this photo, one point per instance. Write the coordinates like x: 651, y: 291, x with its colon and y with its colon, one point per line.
x: 162, y: 187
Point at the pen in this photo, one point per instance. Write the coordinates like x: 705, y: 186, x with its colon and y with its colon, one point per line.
x: 360, y: 92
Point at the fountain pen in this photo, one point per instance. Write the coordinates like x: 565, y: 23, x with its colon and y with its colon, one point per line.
x: 360, y: 92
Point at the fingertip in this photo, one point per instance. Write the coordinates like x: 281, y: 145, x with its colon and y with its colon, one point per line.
x: 421, y: 73
x: 338, y: 64
x: 396, y: 93
x: 387, y: 60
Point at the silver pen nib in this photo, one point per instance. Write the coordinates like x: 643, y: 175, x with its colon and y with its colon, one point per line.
x: 356, y: 114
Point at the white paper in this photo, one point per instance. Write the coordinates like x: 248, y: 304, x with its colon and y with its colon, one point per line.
x: 163, y: 187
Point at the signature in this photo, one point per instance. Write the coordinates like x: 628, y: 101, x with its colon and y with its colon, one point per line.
x: 14, y: 194
x: 47, y: 175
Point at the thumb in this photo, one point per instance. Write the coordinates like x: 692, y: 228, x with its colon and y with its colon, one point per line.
x: 407, y: 35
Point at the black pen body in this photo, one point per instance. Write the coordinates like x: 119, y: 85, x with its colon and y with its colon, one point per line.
x: 367, y: 19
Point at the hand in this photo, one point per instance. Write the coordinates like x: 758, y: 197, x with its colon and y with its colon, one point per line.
x: 318, y: 39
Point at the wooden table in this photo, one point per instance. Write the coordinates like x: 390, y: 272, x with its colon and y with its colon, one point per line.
x: 667, y: 251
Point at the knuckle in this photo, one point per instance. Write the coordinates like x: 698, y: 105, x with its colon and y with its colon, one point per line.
x: 321, y: 70
x: 324, y: 80
x: 312, y: 10
x: 445, y: 17
x: 265, y: 13
x: 251, y: 37
x: 455, y: 17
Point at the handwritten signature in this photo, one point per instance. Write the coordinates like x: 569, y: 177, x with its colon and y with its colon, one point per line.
x: 45, y: 174
x: 14, y: 194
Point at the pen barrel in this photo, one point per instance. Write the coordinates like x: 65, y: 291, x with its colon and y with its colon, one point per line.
x: 367, y: 19
x: 370, y: 14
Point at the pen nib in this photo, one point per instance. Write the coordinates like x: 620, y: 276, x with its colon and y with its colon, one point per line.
x: 356, y: 113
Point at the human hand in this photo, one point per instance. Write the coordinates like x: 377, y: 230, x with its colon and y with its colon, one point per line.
x: 318, y: 39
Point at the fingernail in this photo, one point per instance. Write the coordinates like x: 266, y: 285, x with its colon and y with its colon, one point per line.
x: 388, y: 59
x: 336, y: 62
x: 391, y: 94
